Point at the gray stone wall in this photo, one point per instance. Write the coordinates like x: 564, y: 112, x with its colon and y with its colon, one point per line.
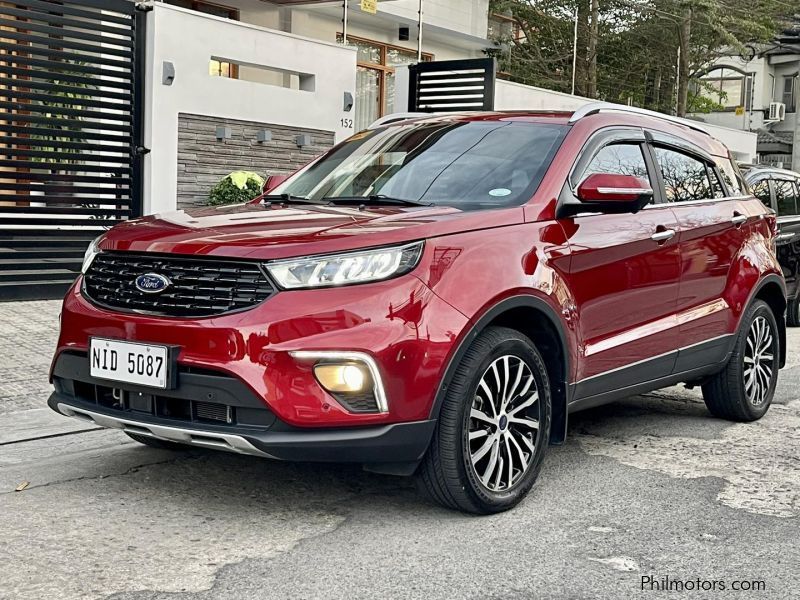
x: 203, y: 160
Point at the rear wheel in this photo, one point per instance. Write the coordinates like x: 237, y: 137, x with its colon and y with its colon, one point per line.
x: 743, y: 390
x: 156, y: 443
x: 493, y: 427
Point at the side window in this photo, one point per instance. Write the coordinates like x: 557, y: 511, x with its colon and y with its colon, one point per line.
x: 619, y: 159
x: 685, y: 177
x: 716, y: 186
x: 731, y: 176
x: 785, y: 197
x: 761, y: 191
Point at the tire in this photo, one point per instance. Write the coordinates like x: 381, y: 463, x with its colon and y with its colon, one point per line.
x: 156, y: 443
x: 455, y: 471
x: 793, y: 312
x: 741, y: 392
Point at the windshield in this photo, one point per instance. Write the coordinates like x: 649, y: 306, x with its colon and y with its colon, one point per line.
x: 465, y: 164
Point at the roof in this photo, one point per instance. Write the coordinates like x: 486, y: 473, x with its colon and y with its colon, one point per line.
x: 751, y: 172
x: 775, y: 137
x: 612, y: 113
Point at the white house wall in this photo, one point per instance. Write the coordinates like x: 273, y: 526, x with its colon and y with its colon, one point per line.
x: 324, y: 23
x: 188, y: 39
x: 514, y: 96
x: 469, y: 17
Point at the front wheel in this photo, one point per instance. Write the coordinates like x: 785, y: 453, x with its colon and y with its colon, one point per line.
x: 493, y: 427
x: 743, y: 390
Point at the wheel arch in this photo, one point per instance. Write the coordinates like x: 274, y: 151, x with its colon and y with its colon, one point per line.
x: 536, y: 319
x: 772, y: 290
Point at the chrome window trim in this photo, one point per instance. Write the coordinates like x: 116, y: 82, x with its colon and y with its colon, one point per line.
x: 699, y: 202
x: 353, y: 356
x: 613, y: 190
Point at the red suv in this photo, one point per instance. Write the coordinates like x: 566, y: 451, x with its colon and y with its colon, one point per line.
x: 433, y: 297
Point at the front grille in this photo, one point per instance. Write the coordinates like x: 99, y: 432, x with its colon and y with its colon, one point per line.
x: 200, y: 287
x: 362, y: 402
x: 206, y: 411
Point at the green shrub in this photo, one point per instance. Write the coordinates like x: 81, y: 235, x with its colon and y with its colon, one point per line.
x: 238, y: 187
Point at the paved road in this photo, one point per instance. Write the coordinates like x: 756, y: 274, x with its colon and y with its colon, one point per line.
x: 648, y: 487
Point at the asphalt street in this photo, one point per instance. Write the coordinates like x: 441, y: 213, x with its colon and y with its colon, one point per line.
x: 650, y: 487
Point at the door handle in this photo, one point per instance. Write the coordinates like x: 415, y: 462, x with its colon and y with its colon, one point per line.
x: 663, y: 235
x: 739, y: 219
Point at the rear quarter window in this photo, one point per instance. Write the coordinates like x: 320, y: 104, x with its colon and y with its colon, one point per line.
x: 732, y: 177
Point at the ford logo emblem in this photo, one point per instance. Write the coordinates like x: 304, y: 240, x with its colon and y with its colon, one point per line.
x: 152, y: 283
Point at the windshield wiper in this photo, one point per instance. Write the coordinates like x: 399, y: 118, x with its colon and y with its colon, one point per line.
x: 373, y: 199
x: 287, y: 199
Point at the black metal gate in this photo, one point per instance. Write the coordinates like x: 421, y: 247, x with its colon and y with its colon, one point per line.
x: 71, y: 82
x: 452, y: 85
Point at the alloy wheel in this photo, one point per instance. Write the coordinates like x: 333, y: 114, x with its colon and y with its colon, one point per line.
x: 759, y: 361
x: 504, y: 423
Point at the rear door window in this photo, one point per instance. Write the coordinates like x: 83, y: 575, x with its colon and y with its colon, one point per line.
x: 685, y: 177
x: 785, y: 197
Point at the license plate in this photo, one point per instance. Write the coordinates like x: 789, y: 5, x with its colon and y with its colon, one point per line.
x: 129, y: 362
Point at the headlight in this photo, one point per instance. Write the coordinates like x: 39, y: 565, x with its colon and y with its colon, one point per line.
x: 344, y: 269
x: 92, y: 251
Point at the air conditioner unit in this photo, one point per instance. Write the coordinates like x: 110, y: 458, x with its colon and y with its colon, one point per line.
x: 777, y: 111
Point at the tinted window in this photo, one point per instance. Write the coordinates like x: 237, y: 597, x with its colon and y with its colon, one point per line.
x: 466, y: 164
x: 785, y: 197
x: 685, y: 178
x: 731, y: 176
x: 761, y: 191
x: 716, y: 186
x: 619, y: 159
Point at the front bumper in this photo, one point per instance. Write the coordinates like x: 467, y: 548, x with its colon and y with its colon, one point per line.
x: 407, y: 330
x: 399, y: 443
x: 214, y: 410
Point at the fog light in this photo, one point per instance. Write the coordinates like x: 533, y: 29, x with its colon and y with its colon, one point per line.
x: 353, y: 378
x: 341, y: 377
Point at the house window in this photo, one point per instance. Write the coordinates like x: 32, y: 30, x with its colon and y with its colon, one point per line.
x: 503, y: 27
x: 725, y: 87
x: 788, y: 95
x: 215, y: 67
x: 375, y: 77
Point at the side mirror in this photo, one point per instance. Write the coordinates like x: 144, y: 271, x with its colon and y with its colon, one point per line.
x: 625, y: 192
x: 273, y: 181
x: 605, y: 193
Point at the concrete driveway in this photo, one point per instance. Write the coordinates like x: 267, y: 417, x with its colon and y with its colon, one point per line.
x: 651, y: 487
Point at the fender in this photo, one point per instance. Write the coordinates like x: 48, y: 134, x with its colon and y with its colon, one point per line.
x: 558, y: 428
x: 770, y: 278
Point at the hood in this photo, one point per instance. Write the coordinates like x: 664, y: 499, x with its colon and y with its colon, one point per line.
x: 261, y: 232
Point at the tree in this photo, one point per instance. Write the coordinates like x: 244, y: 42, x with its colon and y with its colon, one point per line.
x: 650, y: 53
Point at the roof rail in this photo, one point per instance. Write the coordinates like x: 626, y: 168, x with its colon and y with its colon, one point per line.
x: 597, y: 107
x: 401, y: 116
